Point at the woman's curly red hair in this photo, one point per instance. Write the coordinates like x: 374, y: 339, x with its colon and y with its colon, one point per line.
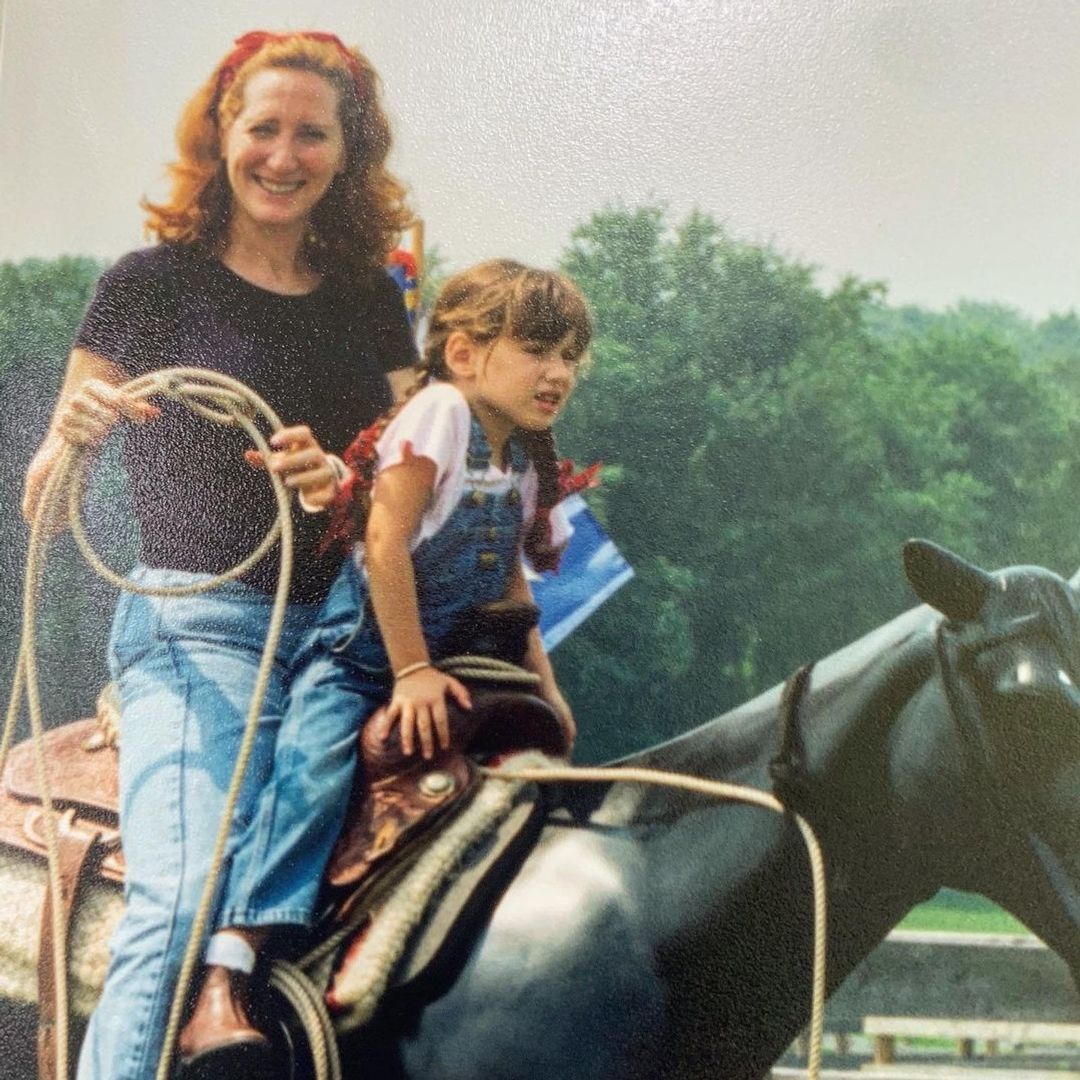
x: 359, y: 220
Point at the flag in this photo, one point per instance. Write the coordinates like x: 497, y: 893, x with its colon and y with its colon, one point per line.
x: 592, y: 569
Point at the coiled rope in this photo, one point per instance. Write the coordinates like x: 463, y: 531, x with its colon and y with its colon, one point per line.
x: 226, y: 401
x: 220, y: 400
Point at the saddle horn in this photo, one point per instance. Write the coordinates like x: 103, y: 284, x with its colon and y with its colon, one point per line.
x: 942, y: 579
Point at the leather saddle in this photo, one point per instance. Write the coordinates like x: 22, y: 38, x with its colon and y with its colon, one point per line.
x: 82, y: 776
x: 395, y: 803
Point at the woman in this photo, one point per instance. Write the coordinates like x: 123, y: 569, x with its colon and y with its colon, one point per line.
x: 268, y: 269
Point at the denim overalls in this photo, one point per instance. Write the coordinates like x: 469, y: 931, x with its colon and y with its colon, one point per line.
x: 344, y: 676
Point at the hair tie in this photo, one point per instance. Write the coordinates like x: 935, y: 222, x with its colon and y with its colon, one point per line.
x: 247, y: 45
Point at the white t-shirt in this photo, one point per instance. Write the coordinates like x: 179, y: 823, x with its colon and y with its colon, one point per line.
x: 435, y: 424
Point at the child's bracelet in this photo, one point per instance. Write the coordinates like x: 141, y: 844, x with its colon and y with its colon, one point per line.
x: 410, y: 669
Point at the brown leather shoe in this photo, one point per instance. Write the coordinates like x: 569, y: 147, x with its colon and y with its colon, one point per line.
x: 219, y: 1040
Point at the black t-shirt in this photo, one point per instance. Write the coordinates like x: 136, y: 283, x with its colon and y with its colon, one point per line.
x: 318, y: 359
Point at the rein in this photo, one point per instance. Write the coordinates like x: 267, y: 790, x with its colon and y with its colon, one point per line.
x: 226, y: 401
x: 716, y: 789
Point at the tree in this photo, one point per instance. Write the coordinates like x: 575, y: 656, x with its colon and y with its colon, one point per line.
x: 774, y: 444
x: 41, y: 304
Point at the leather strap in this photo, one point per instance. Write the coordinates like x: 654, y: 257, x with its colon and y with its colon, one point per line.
x: 75, y: 849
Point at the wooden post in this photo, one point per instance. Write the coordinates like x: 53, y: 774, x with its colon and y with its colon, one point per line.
x: 884, y: 1049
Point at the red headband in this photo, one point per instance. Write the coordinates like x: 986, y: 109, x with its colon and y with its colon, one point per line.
x: 251, y: 42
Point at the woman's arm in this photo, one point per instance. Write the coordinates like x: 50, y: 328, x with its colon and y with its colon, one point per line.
x: 399, y: 498
x: 536, y: 660
x: 89, y: 404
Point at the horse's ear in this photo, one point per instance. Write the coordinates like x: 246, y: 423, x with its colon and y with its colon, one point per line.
x: 943, y: 580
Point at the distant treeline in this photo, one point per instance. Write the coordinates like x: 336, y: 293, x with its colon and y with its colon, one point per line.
x: 768, y: 445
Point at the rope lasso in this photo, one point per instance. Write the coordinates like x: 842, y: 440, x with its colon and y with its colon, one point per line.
x: 218, y: 399
x: 719, y: 790
x: 223, y: 400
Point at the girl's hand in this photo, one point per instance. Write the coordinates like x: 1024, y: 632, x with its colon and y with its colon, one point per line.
x: 92, y: 411
x: 419, y: 706
x: 303, y: 465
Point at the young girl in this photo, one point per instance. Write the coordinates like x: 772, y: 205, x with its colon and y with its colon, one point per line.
x: 464, y: 478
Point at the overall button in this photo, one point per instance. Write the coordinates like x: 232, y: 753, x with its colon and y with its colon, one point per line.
x: 513, y: 496
x: 492, y: 533
x: 477, y: 498
x: 487, y: 560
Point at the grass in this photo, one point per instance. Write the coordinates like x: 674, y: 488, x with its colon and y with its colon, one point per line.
x: 961, y: 912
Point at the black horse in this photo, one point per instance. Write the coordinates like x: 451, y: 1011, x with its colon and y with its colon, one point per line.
x: 653, y: 934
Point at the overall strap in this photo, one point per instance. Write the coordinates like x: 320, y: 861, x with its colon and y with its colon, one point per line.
x: 478, y: 455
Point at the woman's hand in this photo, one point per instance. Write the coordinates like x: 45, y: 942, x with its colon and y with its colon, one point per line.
x: 419, y: 706
x: 303, y: 465
x: 37, y: 475
x: 90, y: 413
x: 87, y: 411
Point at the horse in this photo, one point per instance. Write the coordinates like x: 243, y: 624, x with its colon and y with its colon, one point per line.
x: 652, y: 933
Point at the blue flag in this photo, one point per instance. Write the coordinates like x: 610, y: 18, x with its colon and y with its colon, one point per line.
x: 592, y: 570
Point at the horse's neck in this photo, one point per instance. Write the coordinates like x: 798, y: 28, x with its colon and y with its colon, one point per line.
x: 879, y: 782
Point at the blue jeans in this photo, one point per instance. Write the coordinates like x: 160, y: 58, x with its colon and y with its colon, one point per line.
x: 276, y: 872
x: 185, y: 669
x: 342, y: 676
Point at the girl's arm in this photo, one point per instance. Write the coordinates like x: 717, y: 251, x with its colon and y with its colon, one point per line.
x: 90, y: 403
x: 418, y: 703
x: 536, y: 660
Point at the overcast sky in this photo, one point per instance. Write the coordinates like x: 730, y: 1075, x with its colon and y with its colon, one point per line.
x: 931, y: 144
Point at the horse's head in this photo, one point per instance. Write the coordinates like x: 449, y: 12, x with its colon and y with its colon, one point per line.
x: 1009, y: 649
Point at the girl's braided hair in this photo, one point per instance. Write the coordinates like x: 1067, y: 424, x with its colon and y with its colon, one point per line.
x: 498, y: 298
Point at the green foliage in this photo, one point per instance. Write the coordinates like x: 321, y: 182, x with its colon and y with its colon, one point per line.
x: 41, y: 304
x: 775, y: 444
x: 768, y: 445
x: 434, y: 274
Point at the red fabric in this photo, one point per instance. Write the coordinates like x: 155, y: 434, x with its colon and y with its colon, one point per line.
x: 247, y: 45
x: 405, y: 259
x: 570, y: 483
x: 359, y: 456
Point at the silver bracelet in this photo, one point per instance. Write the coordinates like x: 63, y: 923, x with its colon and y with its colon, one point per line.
x: 410, y: 669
